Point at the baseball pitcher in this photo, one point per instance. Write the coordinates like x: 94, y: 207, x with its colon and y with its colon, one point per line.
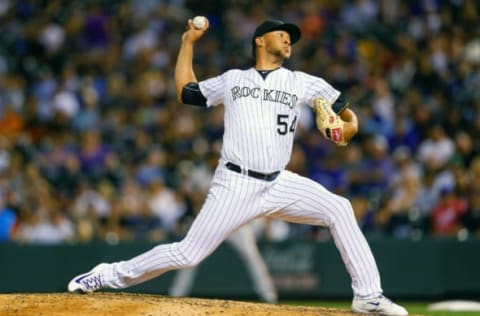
x: 262, y: 106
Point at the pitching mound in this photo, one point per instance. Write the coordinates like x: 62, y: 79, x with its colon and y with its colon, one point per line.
x: 120, y: 304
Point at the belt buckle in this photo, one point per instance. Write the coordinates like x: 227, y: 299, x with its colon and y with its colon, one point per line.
x: 243, y: 171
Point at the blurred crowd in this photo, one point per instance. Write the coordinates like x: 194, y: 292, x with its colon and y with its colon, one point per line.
x: 94, y: 145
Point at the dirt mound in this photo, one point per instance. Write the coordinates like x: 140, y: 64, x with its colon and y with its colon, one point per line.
x: 120, y: 304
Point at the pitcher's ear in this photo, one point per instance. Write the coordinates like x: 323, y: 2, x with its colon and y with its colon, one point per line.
x: 259, y: 41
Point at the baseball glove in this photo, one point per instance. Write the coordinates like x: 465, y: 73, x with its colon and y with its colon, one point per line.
x: 328, y: 122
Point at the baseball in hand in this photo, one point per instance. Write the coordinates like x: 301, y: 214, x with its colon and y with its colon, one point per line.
x: 199, y: 22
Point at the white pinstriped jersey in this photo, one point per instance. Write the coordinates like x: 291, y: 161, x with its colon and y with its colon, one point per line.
x: 261, y: 114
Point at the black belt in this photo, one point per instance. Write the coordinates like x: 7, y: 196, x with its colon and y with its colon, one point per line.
x: 254, y: 174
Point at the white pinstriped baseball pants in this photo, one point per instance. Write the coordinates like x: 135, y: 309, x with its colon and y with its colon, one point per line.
x: 235, y: 199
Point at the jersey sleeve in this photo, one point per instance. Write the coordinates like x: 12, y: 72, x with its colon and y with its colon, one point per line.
x: 318, y: 87
x: 214, y: 89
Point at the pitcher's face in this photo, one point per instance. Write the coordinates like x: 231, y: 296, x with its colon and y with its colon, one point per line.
x: 277, y: 43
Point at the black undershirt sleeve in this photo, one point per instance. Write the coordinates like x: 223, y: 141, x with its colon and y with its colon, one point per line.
x: 339, y: 105
x: 192, y: 95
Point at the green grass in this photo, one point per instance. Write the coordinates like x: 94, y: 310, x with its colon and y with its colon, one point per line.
x: 414, y: 308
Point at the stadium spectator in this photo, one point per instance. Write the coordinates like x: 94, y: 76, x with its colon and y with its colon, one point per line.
x: 8, y: 220
x: 447, y: 214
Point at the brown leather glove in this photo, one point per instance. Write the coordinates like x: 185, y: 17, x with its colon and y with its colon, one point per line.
x: 328, y: 122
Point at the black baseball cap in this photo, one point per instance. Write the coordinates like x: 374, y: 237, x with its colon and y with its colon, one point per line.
x: 277, y: 25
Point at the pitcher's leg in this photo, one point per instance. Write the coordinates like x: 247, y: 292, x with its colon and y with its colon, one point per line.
x: 301, y: 200
x: 355, y: 252
x: 150, y: 264
x: 208, y: 230
x: 232, y: 201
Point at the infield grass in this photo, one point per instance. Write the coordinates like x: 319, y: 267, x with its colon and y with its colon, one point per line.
x: 417, y: 308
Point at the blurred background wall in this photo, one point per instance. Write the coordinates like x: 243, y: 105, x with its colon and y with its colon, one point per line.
x: 429, y: 269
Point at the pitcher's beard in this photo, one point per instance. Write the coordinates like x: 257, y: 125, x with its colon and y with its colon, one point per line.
x: 280, y: 56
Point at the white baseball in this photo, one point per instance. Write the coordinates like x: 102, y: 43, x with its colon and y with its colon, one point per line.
x: 199, y: 22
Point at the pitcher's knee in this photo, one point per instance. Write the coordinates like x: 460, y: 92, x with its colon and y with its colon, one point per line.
x: 185, y: 258
x: 344, y: 209
x: 189, y: 263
